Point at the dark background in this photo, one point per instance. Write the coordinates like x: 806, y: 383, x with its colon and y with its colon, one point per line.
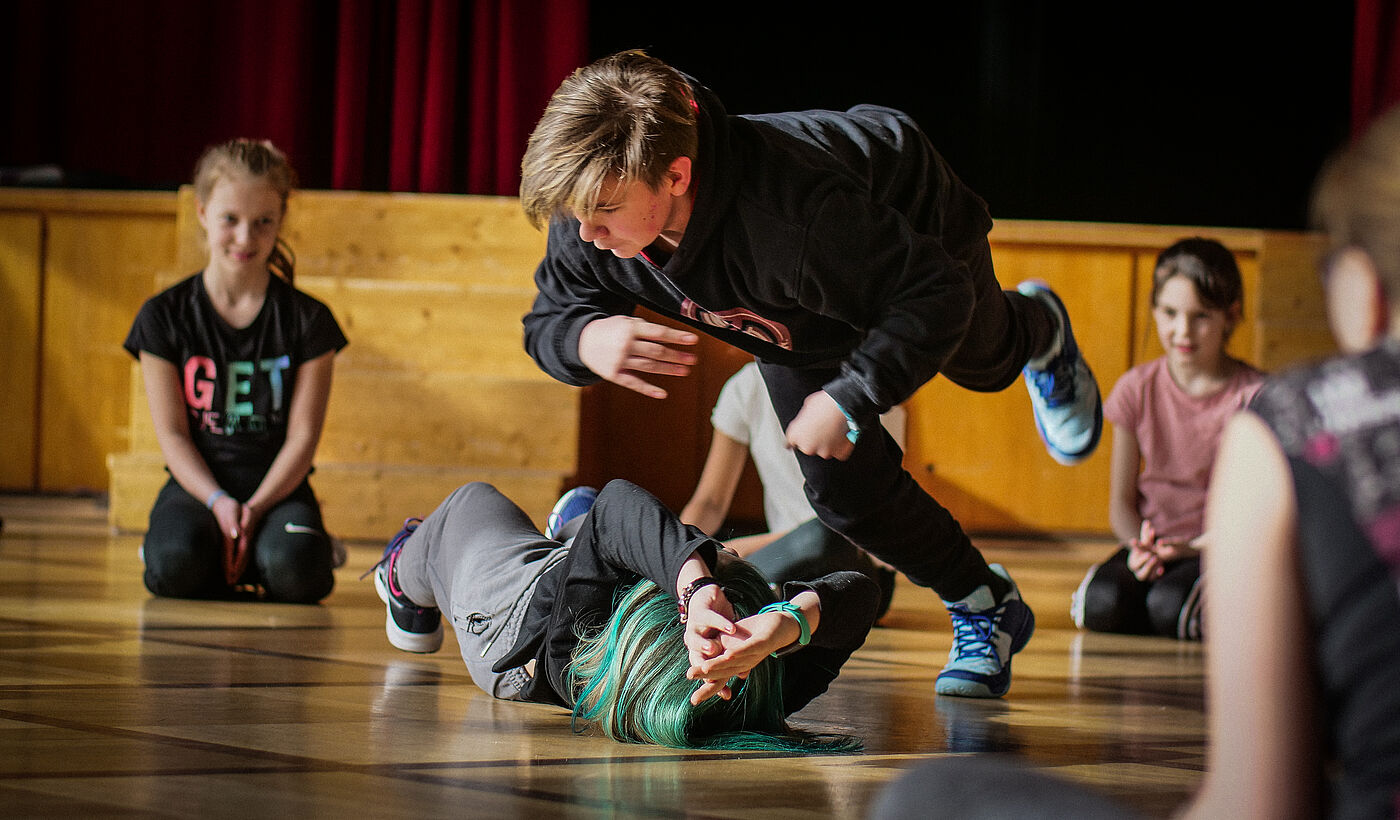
x: 1169, y: 113
x: 1176, y: 113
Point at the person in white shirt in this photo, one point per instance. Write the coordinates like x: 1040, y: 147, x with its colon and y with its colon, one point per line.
x: 796, y: 545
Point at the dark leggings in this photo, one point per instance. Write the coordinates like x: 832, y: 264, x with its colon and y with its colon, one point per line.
x: 811, y: 550
x: 870, y: 498
x: 1116, y: 601
x: 291, y: 559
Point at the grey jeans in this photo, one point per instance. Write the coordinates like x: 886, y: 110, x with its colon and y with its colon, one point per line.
x: 477, y: 558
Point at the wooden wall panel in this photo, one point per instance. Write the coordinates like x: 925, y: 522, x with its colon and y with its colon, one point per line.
x: 429, y: 327
x: 21, y: 277
x: 396, y: 237
x: 1288, y: 303
x: 979, y: 453
x: 450, y: 420
x: 99, y: 270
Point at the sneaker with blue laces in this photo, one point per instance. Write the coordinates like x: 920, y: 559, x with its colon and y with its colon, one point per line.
x: 986, y: 633
x: 410, y: 627
x: 1064, y: 394
x: 571, y: 505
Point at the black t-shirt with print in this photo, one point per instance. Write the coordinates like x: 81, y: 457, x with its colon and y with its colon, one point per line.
x: 237, y: 383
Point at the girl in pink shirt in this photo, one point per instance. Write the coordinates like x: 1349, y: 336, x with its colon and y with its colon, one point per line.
x: 1167, y: 416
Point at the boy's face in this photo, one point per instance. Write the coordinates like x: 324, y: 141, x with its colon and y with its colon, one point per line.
x: 630, y: 217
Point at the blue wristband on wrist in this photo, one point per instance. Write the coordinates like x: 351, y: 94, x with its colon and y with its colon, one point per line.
x: 214, y: 497
x: 805, y: 632
x: 852, y: 429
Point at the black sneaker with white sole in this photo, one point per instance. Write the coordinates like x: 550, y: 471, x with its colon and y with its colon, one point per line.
x: 410, y: 627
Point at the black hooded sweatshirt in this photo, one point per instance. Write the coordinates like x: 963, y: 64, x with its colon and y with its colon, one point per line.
x: 816, y: 238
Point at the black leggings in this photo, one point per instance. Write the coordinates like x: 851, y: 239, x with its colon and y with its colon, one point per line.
x: 1114, y: 600
x: 870, y: 498
x: 811, y: 550
x: 291, y: 553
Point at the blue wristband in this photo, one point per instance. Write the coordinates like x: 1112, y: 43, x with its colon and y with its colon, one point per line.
x: 804, y: 636
x: 852, y: 429
x: 214, y: 497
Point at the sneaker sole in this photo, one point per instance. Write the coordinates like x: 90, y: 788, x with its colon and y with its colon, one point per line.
x: 1076, y: 601
x: 418, y: 642
x: 1071, y: 459
x: 1036, y: 289
x: 1189, y: 620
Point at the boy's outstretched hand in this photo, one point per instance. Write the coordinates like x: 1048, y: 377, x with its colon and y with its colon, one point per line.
x: 620, y: 347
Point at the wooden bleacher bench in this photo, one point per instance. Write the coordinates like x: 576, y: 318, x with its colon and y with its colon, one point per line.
x: 434, y: 389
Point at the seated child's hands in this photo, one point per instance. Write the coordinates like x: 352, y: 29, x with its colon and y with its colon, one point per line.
x: 1148, y: 555
x: 1144, y: 562
x: 1143, y: 559
x: 1169, y: 551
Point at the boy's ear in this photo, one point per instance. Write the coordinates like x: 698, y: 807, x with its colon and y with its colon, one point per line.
x: 678, y: 177
x: 1356, y: 305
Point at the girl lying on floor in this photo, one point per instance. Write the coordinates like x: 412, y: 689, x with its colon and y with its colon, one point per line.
x: 642, y: 625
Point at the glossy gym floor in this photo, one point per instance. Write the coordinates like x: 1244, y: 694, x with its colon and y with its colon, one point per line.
x: 116, y: 704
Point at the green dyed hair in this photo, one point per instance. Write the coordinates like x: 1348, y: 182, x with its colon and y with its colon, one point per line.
x: 628, y: 679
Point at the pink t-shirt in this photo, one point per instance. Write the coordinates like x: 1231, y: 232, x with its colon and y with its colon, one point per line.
x: 1177, y: 437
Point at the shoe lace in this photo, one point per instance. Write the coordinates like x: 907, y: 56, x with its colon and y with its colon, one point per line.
x: 974, y: 632
x: 1055, y: 383
x: 395, y: 544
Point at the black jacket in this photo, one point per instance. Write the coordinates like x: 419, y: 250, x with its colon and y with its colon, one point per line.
x: 816, y: 237
x: 629, y: 535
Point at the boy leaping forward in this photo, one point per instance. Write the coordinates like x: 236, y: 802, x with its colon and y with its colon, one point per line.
x: 843, y: 253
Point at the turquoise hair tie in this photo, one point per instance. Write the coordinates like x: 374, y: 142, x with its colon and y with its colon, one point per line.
x: 805, y: 635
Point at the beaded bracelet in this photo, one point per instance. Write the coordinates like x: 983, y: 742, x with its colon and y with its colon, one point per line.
x: 683, y: 604
x: 804, y: 636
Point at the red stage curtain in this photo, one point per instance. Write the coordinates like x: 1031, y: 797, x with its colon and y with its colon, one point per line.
x: 399, y: 95
x: 1375, y: 81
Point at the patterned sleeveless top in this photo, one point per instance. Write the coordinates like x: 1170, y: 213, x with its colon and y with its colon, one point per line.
x: 1338, y: 423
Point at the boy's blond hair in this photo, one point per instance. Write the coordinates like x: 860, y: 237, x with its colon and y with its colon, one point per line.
x: 626, y: 117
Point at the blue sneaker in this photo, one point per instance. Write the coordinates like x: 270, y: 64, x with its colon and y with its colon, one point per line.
x: 985, y: 636
x: 571, y: 505
x: 1064, y: 394
x: 410, y: 627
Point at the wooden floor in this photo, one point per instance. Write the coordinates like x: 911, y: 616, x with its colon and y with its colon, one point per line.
x: 116, y: 704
